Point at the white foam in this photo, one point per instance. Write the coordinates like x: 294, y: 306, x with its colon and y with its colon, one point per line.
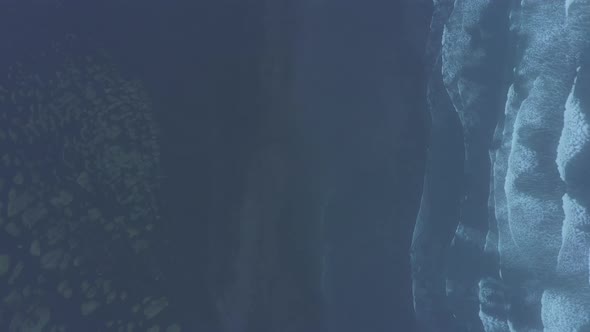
x: 575, y: 134
x: 470, y: 235
x: 566, y: 309
x: 492, y: 324
x: 506, y: 245
x: 534, y: 212
x: 459, y: 51
x: 575, y: 242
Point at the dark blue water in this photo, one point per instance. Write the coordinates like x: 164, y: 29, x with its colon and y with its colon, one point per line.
x: 348, y: 147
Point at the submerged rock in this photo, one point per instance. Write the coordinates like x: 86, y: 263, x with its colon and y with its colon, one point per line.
x: 80, y: 151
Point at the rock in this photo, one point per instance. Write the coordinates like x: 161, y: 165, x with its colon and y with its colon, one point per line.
x: 35, y: 248
x: 4, y: 264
